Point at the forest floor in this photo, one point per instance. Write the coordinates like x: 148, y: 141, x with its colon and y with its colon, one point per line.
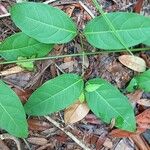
x: 90, y: 131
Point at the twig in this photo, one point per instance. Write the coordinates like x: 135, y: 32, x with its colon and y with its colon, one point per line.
x: 68, y: 133
x: 74, y: 55
x: 8, y: 136
x: 27, y: 144
x: 49, y: 1
x: 87, y: 10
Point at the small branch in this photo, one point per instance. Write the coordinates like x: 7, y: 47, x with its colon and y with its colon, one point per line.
x: 87, y: 10
x: 73, y: 55
x: 49, y: 1
x: 67, y: 133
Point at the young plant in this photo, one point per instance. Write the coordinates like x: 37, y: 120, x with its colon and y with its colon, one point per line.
x: 45, y: 26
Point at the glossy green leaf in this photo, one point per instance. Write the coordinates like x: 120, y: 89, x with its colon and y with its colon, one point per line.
x: 43, y: 22
x: 21, y: 45
x: 132, y: 29
x: 147, y: 42
x: 142, y: 81
x: 55, y: 95
x: 108, y: 103
x: 12, y: 115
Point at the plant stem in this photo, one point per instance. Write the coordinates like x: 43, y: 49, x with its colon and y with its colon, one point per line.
x: 73, y: 55
x: 111, y: 26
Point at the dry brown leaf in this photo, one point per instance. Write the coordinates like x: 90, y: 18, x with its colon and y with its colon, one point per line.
x: 23, y: 94
x: 76, y: 112
x: 12, y: 70
x: 143, y: 119
x: 144, y: 102
x: 37, y: 125
x: 140, y: 142
x: 143, y: 123
x: 135, y: 96
x: 138, y: 6
x: 133, y: 62
x: 92, y: 119
x: 37, y: 140
x: 108, y: 143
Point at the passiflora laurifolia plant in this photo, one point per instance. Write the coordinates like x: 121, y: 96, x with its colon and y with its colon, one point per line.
x: 45, y: 26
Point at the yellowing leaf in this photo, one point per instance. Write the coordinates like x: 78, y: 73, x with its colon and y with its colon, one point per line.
x: 76, y: 112
x: 133, y: 62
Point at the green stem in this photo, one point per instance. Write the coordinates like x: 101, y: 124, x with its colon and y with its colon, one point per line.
x: 111, y: 25
x: 73, y: 55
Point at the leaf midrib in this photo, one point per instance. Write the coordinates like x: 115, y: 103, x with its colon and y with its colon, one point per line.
x: 55, y: 94
x: 55, y: 27
x: 1, y: 51
x: 117, y: 30
x: 111, y: 106
x: 8, y: 114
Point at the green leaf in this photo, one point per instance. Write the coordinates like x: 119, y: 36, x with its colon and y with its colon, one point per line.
x: 92, y: 87
x: 20, y: 44
x: 147, y: 42
x: 82, y: 97
x: 143, y: 81
x: 29, y: 65
x: 55, y: 95
x: 108, y: 103
x: 12, y: 115
x: 132, y: 29
x: 43, y: 22
x: 132, y: 85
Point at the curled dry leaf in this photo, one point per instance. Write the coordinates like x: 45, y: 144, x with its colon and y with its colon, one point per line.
x: 143, y: 122
x: 76, y: 112
x: 37, y: 125
x: 133, y: 62
x: 37, y: 140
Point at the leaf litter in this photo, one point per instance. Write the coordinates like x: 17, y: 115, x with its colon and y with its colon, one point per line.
x: 106, y: 66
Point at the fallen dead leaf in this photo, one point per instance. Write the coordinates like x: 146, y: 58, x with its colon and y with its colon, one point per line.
x: 144, y: 102
x: 108, y: 143
x: 135, y: 96
x: 37, y: 125
x: 23, y: 94
x: 37, y: 140
x: 92, y: 119
x: 143, y: 123
x: 138, y: 6
x: 76, y: 112
x: 12, y: 70
x: 143, y: 119
x: 133, y: 62
x: 125, y: 144
x: 140, y: 142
